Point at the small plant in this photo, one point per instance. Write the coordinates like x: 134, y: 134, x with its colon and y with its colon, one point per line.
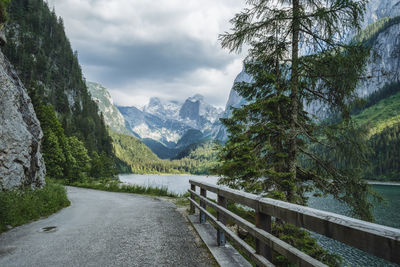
x: 19, y: 207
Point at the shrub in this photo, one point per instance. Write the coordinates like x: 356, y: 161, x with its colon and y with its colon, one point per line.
x: 21, y: 206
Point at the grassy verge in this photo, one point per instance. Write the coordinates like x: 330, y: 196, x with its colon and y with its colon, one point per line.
x: 117, y: 186
x: 19, y: 207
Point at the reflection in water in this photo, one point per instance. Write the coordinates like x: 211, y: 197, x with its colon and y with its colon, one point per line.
x: 385, y: 214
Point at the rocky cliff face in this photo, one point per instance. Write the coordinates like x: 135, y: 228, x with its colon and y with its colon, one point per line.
x: 112, y: 117
x: 21, y: 163
x: 190, y: 110
x: 385, y: 63
x: 378, y: 9
x: 234, y: 101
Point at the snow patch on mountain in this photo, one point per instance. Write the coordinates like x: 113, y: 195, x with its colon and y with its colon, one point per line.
x: 168, y: 121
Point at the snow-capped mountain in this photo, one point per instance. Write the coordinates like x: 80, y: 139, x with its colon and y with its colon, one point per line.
x: 157, y: 107
x: 159, y: 128
x: 194, y: 111
x: 167, y: 121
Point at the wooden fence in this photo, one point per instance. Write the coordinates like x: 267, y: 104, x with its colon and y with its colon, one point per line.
x: 381, y: 241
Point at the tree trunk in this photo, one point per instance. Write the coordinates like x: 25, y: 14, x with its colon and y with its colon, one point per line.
x: 292, y: 159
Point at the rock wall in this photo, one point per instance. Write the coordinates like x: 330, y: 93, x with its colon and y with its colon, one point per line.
x: 385, y: 62
x: 21, y: 162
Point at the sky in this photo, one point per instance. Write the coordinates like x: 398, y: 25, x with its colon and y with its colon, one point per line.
x: 154, y: 48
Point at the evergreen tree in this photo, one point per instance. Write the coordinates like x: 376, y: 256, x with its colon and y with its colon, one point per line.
x: 3, y: 10
x: 81, y: 164
x: 53, y: 156
x: 55, y: 150
x: 297, y: 57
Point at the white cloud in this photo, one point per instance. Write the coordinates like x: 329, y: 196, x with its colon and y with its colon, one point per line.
x: 99, y: 28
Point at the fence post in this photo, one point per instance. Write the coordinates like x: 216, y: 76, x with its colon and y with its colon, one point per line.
x: 192, y: 208
x: 263, y: 221
x: 203, y: 193
x: 220, y: 235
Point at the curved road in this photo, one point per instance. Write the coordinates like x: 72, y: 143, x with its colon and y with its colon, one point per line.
x: 106, y: 229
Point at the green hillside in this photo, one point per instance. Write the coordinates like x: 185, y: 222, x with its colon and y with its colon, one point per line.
x: 381, y: 116
x: 384, y: 114
x: 204, y: 154
x: 142, y: 160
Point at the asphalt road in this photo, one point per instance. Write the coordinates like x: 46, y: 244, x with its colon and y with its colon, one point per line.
x: 106, y: 229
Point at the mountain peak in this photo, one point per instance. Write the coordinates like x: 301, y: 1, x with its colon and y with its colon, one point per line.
x: 154, y: 101
x: 196, y: 97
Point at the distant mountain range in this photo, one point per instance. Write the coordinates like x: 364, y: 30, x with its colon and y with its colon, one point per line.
x: 167, y: 121
x: 167, y: 127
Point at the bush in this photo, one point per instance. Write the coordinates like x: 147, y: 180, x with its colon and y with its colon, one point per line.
x: 22, y: 206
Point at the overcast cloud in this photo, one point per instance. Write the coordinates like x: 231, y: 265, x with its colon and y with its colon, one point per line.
x: 165, y: 48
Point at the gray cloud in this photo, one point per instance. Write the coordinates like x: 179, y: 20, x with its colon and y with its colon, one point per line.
x: 160, y: 61
x: 164, y: 48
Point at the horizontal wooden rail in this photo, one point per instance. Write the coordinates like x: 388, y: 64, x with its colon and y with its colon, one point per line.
x: 381, y: 241
x: 293, y: 254
x: 247, y: 249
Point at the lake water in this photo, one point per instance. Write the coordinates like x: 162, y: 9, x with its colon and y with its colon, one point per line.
x: 386, y: 214
x: 177, y: 184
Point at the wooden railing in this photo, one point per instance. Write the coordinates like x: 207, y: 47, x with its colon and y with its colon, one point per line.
x: 381, y: 241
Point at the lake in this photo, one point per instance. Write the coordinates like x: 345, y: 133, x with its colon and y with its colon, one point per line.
x: 386, y: 213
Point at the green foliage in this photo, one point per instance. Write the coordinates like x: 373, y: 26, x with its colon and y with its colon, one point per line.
x: 3, y: 10
x: 41, y: 53
x: 302, y: 240
x: 203, y: 155
x: 378, y: 116
x: 53, y: 156
x: 54, y: 142
x: 116, y: 186
x: 102, y: 166
x: 383, y: 114
x: 385, y: 161
x: 19, y: 207
x: 387, y: 91
x: 67, y: 157
x: 80, y: 163
x: 142, y: 160
x: 369, y: 35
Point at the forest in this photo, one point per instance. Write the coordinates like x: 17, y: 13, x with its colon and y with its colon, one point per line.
x: 76, y: 142
x: 381, y: 116
x: 140, y: 159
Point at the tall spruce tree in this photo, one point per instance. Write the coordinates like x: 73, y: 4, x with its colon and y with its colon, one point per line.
x: 298, y: 56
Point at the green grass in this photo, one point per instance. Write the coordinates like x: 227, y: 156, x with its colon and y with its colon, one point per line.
x: 20, y: 207
x: 117, y: 186
x: 385, y: 113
